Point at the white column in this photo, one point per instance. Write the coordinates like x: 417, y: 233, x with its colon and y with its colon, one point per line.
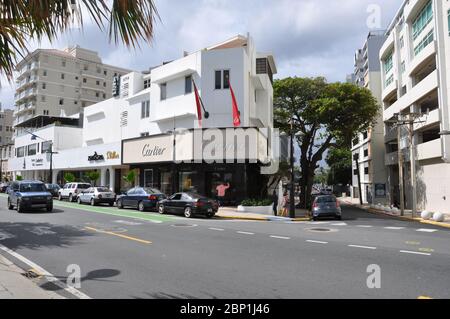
x: 102, y: 176
x: 112, y: 178
x: 55, y: 176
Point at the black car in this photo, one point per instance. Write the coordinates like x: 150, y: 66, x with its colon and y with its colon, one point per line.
x: 26, y: 195
x: 142, y: 198
x: 4, y: 187
x: 189, y: 204
x: 53, y: 189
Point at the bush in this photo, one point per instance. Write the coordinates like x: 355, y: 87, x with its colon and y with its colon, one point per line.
x: 69, y: 177
x: 256, y: 202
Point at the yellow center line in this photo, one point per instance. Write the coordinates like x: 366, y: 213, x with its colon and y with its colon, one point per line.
x: 120, y: 235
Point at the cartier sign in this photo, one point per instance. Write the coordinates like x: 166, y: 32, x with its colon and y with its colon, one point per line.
x: 148, y: 150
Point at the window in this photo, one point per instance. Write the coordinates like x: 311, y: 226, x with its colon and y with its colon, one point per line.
x: 188, y: 84
x: 145, y: 109
x: 163, y: 87
x: 104, y: 95
x: 46, y: 147
x: 44, y: 73
x: 63, y: 63
x: 20, y: 151
x: 147, y: 84
x: 402, y: 42
x: 105, y: 72
x: 366, y: 170
x: 365, y: 135
x: 104, y: 84
x: 366, y: 152
x: 97, y: 82
x: 388, y: 63
x: 389, y: 80
x: 44, y: 86
x: 145, y: 134
x: 424, y: 43
x: 86, y: 67
x: 97, y: 94
x: 448, y: 22
x: 422, y: 20
x: 84, y: 80
x: 218, y: 80
x: 61, y: 101
x: 76, y: 78
x: 1, y: 128
x: 403, y: 67
x: 62, y: 76
x: 32, y: 149
x: 226, y: 79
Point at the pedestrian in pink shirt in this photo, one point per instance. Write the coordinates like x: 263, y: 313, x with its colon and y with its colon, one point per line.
x: 221, y: 191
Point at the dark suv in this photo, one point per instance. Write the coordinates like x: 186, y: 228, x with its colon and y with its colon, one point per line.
x: 25, y: 195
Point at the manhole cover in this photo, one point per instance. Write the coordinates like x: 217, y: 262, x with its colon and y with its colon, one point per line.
x: 183, y: 225
x: 322, y: 230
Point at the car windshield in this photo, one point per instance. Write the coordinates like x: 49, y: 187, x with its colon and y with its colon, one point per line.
x: 32, y: 187
x: 102, y: 189
x: 326, y: 199
x: 149, y: 190
x: 83, y: 186
x: 194, y: 195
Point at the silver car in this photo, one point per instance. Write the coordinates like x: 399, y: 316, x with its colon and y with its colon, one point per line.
x: 97, y: 195
x: 326, y: 206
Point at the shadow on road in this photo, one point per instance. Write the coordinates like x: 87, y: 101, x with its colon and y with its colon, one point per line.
x: 34, y: 236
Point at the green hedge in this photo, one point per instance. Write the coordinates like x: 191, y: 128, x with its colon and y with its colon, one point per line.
x: 256, y: 202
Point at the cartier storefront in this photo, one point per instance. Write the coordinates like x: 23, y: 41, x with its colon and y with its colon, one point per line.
x: 200, y: 160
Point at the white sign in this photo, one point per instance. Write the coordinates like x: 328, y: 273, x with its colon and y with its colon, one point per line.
x: 148, y: 150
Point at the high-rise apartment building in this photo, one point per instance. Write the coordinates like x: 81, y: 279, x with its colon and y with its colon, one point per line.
x: 369, y: 146
x: 6, y: 126
x: 61, y: 82
x: 415, y: 61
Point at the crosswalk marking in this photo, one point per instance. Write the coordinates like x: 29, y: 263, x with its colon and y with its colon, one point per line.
x: 364, y: 226
x: 394, y: 228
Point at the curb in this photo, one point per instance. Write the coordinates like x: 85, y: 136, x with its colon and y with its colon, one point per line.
x: 409, y: 219
x: 262, y: 219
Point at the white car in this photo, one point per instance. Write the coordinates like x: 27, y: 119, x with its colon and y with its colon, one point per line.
x: 97, y: 195
x: 71, y: 191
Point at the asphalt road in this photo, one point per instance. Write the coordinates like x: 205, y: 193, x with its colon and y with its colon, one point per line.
x: 127, y: 254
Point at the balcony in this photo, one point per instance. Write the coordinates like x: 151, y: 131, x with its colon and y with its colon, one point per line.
x: 390, y: 89
x: 423, y: 88
x: 388, y: 45
x: 429, y: 150
x: 423, y: 58
x: 427, y: 120
x: 390, y: 135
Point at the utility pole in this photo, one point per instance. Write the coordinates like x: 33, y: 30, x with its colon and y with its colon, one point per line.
x: 400, y: 173
x: 413, y: 165
x: 358, y: 174
x: 292, y: 188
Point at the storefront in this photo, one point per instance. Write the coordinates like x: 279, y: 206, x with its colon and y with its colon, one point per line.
x: 199, y: 161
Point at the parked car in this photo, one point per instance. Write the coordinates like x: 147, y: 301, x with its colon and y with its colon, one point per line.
x: 326, y: 191
x: 189, y: 204
x: 71, y: 191
x: 25, y: 195
x: 4, y: 187
x: 326, y: 206
x: 142, y: 198
x: 53, y: 189
x: 97, y: 195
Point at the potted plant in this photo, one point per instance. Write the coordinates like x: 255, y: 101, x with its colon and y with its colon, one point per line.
x: 260, y: 206
x: 130, y: 178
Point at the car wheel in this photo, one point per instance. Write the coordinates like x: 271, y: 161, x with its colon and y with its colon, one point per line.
x: 210, y: 215
x: 79, y: 201
x: 111, y: 204
x: 70, y: 198
x: 141, y: 207
x: 19, y: 207
x: 188, y: 212
x: 49, y: 208
x: 119, y: 204
x: 10, y: 205
x: 92, y: 202
x: 161, y: 209
x: 314, y: 218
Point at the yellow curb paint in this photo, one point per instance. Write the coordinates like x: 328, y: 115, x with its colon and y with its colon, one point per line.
x: 424, y: 297
x: 243, y: 218
x: 120, y: 235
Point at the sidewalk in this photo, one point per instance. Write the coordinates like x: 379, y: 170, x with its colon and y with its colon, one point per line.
x: 13, y: 285
x: 407, y: 215
x: 232, y: 213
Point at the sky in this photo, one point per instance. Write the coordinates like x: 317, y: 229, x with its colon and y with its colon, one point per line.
x: 307, y: 37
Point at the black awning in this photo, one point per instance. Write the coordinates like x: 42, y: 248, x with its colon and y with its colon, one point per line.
x: 44, y: 120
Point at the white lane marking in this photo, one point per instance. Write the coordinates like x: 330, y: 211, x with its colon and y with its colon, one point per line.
x: 41, y: 230
x: 218, y: 229
x: 365, y: 247
x: 280, y: 237
x: 364, y: 226
x: 48, y: 276
x: 5, y: 235
x: 245, y: 232
x: 319, y: 223
x: 394, y: 228
x: 316, y: 241
x: 126, y: 222
x: 427, y: 230
x: 339, y: 224
x: 414, y: 252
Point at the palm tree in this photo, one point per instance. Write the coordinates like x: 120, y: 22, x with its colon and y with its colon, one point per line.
x: 127, y: 21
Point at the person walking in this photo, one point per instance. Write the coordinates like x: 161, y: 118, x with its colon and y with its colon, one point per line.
x: 285, y: 210
x: 275, y: 202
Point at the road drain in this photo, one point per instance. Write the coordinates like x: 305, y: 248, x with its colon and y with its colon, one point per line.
x: 322, y: 230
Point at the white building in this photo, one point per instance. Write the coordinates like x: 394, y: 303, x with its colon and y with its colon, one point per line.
x: 61, y: 82
x: 415, y: 62
x: 369, y: 146
x: 150, y: 107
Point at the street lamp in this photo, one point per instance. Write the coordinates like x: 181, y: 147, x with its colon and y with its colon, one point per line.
x: 49, y: 151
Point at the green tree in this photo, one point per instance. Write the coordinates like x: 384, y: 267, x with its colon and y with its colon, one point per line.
x: 25, y: 20
x: 321, y: 176
x: 19, y: 178
x: 69, y: 177
x: 322, y: 113
x: 93, y: 177
x: 130, y: 177
x: 339, y: 159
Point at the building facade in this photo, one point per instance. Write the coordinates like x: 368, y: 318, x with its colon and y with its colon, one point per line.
x: 6, y: 126
x: 415, y: 61
x: 152, y: 126
x: 61, y: 82
x: 369, y: 146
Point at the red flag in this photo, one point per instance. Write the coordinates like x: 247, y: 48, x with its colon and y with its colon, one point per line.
x: 236, y: 113
x: 199, y: 106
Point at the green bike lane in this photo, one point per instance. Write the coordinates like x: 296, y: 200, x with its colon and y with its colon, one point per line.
x: 113, y: 211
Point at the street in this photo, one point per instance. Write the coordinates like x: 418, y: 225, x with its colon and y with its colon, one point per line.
x: 128, y: 254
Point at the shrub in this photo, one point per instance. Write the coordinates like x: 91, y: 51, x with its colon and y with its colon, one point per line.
x: 69, y: 177
x: 256, y: 202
